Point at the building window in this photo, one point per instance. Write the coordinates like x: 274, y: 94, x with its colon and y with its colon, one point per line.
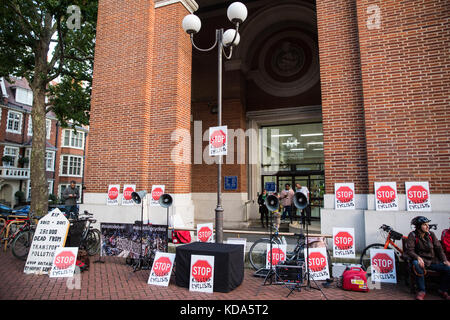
x: 13, y: 154
x: 48, y: 127
x: 27, y: 155
x: 63, y: 187
x: 24, y: 96
x: 49, y: 184
x: 50, y: 161
x: 14, y: 124
x: 72, y: 140
x: 71, y: 166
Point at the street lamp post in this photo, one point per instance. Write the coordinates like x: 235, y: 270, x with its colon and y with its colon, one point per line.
x: 237, y: 13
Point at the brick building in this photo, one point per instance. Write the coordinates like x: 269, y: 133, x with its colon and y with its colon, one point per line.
x: 317, y: 92
x: 65, y: 151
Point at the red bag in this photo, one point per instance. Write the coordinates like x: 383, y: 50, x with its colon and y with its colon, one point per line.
x: 355, y: 279
x: 181, y: 237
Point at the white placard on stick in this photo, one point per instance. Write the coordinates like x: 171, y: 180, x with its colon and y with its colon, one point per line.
x: 318, y: 263
x: 50, y: 234
x: 205, y: 232
x: 343, y: 242
x: 161, y: 269
x: 201, y: 276
x: 382, y: 263
x: 128, y: 189
x: 417, y: 196
x: 64, y: 262
x: 112, y: 198
x: 344, y: 196
x: 386, y: 196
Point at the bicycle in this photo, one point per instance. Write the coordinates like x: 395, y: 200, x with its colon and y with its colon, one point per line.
x: 22, y: 239
x: 90, y: 237
x: 258, y: 251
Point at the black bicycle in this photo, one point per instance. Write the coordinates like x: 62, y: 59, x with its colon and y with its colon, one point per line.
x: 90, y: 237
x: 258, y: 251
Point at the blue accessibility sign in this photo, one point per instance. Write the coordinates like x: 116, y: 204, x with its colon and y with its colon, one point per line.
x: 231, y: 182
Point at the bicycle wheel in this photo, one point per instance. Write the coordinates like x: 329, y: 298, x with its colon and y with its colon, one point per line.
x: 258, y: 251
x: 365, y: 256
x: 21, y: 244
x: 93, y: 242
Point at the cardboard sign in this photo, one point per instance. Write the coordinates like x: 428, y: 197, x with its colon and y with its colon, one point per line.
x: 112, y: 199
x: 64, y: 263
x: 218, y: 141
x: 277, y: 255
x: 205, y: 232
x: 161, y: 269
x: 418, y: 196
x: 344, y: 196
x: 157, y: 192
x: 128, y: 189
x: 344, y: 242
x: 50, y: 234
x: 238, y: 241
x: 318, y: 263
x: 382, y: 263
x: 386, y: 196
x: 201, y: 276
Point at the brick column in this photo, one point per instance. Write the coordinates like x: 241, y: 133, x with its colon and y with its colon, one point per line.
x: 342, y: 100
x: 406, y: 80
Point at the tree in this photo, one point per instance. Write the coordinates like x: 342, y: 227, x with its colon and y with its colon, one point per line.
x: 43, y: 41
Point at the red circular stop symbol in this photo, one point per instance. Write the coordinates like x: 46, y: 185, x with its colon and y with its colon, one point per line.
x: 382, y: 263
x: 344, y: 194
x: 113, y: 193
x: 204, y: 233
x: 127, y: 193
x: 202, y: 271
x: 218, y: 139
x: 64, y: 260
x: 162, y: 266
x: 317, y: 261
x: 343, y: 240
x: 277, y: 256
x: 417, y: 194
x: 157, y: 193
x: 386, y: 194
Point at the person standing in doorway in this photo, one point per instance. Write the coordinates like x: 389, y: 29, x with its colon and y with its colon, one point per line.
x: 70, y: 196
x: 286, y: 197
x: 264, y: 212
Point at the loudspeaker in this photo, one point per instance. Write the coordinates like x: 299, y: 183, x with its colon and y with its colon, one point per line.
x: 272, y: 203
x: 165, y: 200
x: 138, y: 196
x: 300, y: 200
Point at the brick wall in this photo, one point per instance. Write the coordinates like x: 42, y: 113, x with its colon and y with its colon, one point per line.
x: 406, y: 82
x: 141, y: 95
x: 342, y: 99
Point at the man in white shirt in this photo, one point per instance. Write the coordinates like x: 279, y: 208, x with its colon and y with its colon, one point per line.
x: 307, y: 210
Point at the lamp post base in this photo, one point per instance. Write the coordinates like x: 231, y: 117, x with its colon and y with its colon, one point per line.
x: 219, y: 224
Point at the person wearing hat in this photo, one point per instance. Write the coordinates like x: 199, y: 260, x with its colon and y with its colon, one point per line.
x: 427, y: 254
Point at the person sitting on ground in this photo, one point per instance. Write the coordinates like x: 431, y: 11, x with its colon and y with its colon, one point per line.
x: 427, y: 254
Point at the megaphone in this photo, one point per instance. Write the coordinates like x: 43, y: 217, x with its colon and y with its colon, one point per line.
x: 272, y: 203
x: 300, y: 200
x: 138, y: 196
x: 165, y: 200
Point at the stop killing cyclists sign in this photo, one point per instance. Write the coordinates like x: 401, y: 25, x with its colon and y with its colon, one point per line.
x: 382, y: 263
x: 344, y: 196
x: 218, y: 141
x: 157, y: 192
x: 418, y: 196
x: 64, y: 262
x: 161, y: 269
x: 205, y: 232
x: 113, y: 195
x: 318, y: 263
x: 386, y: 196
x: 128, y: 189
x: 202, y: 273
x: 344, y: 242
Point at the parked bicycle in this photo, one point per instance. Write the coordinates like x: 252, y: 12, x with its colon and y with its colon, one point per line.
x: 21, y: 240
x: 391, y: 236
x: 258, y: 251
x: 90, y: 237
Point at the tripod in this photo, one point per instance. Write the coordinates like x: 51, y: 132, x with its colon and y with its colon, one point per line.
x: 141, y: 263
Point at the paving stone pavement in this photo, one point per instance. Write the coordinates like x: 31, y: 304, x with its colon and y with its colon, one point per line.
x: 114, y: 280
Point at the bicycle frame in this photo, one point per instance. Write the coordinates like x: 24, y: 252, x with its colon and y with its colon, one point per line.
x: 389, y: 241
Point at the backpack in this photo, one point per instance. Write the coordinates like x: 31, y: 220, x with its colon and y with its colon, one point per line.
x: 445, y: 240
x: 181, y: 237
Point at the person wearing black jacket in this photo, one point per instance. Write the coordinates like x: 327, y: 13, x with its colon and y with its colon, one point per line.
x: 427, y: 253
x: 263, y: 211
